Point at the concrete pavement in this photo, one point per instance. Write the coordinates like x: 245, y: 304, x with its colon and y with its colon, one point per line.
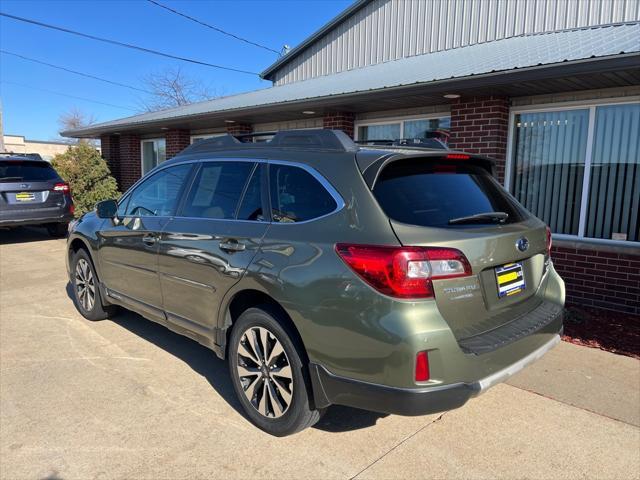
x: 126, y: 398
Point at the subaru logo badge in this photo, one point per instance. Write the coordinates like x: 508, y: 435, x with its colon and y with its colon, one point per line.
x: 522, y: 244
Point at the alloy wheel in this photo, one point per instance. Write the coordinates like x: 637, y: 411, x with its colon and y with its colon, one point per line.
x: 265, y: 372
x: 85, y: 285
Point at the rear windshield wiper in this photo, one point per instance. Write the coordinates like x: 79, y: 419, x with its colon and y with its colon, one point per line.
x: 10, y: 179
x: 496, y: 217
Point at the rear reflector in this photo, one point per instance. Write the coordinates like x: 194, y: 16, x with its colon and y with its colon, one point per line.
x: 62, y: 187
x: 422, y: 367
x: 404, y: 272
x: 458, y: 156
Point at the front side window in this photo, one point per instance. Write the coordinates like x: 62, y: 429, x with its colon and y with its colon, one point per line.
x: 297, y: 196
x: 554, y: 156
x: 217, y: 189
x: 158, y: 195
x: 153, y: 153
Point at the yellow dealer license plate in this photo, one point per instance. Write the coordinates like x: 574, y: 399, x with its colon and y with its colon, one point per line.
x: 25, y: 197
x: 510, y: 279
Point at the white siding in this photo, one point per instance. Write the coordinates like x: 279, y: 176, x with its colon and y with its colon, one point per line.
x: 387, y: 30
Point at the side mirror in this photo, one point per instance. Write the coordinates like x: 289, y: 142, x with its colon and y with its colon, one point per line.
x: 107, y: 209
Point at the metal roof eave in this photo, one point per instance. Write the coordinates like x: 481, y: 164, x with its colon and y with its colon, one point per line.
x: 537, y: 72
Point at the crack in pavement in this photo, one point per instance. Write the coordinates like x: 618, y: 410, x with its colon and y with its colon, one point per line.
x: 402, y: 442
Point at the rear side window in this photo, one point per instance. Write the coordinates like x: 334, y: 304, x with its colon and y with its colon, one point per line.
x: 296, y: 195
x: 26, y: 171
x: 217, y: 189
x: 432, y: 194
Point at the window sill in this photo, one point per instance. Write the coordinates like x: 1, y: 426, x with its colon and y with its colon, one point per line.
x: 596, y: 244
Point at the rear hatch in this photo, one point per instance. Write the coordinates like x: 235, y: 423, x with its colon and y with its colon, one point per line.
x: 455, y: 202
x: 27, y: 186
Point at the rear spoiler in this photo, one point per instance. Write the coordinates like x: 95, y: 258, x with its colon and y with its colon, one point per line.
x: 370, y: 174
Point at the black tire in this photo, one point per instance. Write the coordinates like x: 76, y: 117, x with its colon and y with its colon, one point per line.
x: 298, y: 414
x: 58, y: 230
x: 96, y: 309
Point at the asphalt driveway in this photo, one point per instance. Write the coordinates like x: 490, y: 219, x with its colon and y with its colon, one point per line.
x: 126, y: 398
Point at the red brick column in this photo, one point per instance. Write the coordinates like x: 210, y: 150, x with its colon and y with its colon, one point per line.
x: 339, y: 121
x: 176, y: 141
x: 480, y: 125
x: 239, y: 128
x: 130, y: 161
x: 110, y: 149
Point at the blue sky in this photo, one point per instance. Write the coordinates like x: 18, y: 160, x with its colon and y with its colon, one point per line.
x: 34, y: 113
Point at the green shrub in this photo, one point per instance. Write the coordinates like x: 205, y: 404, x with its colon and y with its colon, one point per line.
x: 88, y: 175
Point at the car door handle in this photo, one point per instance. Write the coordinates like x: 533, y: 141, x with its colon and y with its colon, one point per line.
x: 231, y: 246
x: 149, y: 240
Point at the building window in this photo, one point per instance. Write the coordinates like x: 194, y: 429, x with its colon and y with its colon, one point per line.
x: 199, y: 138
x: 153, y: 153
x: 579, y: 169
x: 420, y: 128
x: 386, y: 131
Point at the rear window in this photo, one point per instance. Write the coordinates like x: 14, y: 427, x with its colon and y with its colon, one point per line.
x: 432, y: 194
x: 296, y: 196
x: 26, y: 171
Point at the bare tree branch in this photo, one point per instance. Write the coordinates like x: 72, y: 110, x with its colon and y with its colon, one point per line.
x: 72, y: 119
x: 172, y: 88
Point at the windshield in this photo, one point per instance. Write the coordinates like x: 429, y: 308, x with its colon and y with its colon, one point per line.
x: 443, y: 194
x: 26, y: 171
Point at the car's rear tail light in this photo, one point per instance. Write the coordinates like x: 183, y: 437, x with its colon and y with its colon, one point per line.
x: 422, y: 367
x: 404, y: 272
x: 62, y: 187
x: 549, y: 241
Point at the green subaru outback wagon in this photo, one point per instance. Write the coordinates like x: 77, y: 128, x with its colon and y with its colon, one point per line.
x: 391, y: 278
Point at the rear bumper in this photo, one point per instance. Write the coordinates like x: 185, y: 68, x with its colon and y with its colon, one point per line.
x: 331, y: 389
x: 35, y: 217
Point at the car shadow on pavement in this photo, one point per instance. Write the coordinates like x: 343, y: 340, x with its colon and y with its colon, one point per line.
x: 204, y: 361
x: 23, y: 235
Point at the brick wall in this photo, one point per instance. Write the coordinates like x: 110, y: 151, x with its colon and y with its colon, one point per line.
x: 339, y: 121
x: 599, y: 278
x: 176, y: 141
x: 130, y: 161
x: 480, y: 125
x: 239, y: 128
x: 110, y: 148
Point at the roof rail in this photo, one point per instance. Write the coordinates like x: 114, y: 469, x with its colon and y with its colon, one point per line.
x: 318, y: 139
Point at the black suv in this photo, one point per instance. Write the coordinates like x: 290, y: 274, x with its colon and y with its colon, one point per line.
x: 32, y: 193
